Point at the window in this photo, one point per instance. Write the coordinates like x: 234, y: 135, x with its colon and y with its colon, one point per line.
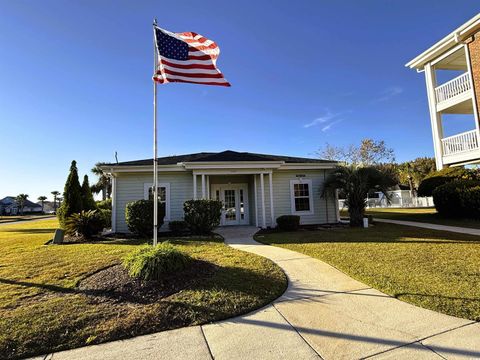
x: 301, y: 197
x: 163, y: 196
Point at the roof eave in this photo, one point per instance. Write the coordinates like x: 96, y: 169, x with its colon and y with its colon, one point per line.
x: 456, y: 36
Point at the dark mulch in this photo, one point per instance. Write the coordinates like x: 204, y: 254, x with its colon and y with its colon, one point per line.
x: 114, y: 285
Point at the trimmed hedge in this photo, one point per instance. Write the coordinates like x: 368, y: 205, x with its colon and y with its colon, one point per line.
x: 444, y: 176
x: 288, y: 222
x: 458, y: 198
x: 153, y: 262
x: 202, y: 216
x: 178, y: 226
x: 139, y: 217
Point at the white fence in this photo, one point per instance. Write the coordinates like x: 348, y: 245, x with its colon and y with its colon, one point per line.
x: 399, y: 199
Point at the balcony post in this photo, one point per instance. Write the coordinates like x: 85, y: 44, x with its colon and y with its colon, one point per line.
x: 435, y: 117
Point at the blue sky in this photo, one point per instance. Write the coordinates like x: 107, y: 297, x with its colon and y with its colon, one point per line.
x: 76, y: 80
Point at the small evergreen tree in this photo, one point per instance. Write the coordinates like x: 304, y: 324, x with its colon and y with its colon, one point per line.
x: 88, y: 202
x: 72, y: 196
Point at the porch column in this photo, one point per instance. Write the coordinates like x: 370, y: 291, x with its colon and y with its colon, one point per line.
x: 208, y: 186
x: 194, y: 186
x: 262, y: 193
x: 435, y: 117
x: 255, y: 198
x: 270, y: 185
x: 114, y: 203
x: 204, y: 191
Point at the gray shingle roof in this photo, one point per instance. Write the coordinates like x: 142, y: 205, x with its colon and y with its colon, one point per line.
x: 224, y: 156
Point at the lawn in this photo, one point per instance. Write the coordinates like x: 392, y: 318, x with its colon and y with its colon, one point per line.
x: 432, y: 269
x: 7, y: 219
x: 42, y: 310
x: 426, y: 215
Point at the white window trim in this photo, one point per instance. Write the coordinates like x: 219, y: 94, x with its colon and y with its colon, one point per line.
x: 147, y: 186
x: 310, y: 196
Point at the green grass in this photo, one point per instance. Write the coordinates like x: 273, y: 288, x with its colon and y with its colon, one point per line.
x: 41, y: 310
x: 7, y: 219
x: 432, y: 269
x: 426, y: 215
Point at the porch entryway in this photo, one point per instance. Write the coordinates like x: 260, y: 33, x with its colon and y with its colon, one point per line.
x: 235, y: 203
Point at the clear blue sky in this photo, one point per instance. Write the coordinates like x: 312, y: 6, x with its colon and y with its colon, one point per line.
x: 75, y: 80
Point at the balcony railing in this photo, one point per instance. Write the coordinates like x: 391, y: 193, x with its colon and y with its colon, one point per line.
x: 452, y: 88
x: 460, y: 143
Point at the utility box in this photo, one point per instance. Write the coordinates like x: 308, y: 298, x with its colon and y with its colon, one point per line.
x: 58, y: 237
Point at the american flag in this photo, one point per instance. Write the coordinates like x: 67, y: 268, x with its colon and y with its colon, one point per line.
x: 186, y: 57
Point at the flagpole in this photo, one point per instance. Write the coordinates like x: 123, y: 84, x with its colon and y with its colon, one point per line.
x: 155, y: 155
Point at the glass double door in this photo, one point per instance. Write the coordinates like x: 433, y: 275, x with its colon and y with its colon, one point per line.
x: 234, y: 198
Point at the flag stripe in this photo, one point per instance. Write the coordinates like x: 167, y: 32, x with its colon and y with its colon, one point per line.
x: 215, y: 75
x: 166, y: 81
x: 192, y: 65
x: 190, y: 71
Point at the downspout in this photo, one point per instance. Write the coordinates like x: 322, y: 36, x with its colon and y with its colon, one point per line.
x: 326, y: 194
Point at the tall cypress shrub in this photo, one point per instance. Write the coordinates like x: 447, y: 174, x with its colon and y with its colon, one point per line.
x: 88, y: 203
x: 72, y: 196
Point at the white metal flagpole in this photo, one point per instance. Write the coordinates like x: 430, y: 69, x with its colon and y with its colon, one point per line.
x: 155, y: 172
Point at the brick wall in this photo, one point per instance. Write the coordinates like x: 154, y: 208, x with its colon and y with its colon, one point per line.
x: 474, y: 49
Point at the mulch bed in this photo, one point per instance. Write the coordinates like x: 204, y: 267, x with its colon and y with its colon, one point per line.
x: 114, y: 285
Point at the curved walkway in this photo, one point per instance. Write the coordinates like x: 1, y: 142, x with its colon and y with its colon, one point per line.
x: 323, y: 314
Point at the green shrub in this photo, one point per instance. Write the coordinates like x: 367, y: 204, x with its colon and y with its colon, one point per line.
x: 202, y: 216
x: 178, y: 226
x: 139, y: 217
x: 72, y: 196
x: 88, y: 203
x: 104, y: 204
x: 152, y: 262
x: 106, y: 216
x: 84, y: 223
x: 458, y: 198
x: 288, y: 222
x: 438, y: 178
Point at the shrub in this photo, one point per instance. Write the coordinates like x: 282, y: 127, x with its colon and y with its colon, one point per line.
x: 152, y: 262
x: 202, y: 216
x: 84, y: 223
x: 458, y: 198
x: 178, y: 226
x: 106, y: 216
x: 88, y: 203
x: 438, y: 178
x: 104, y: 204
x: 288, y: 222
x: 72, y: 196
x: 139, y: 217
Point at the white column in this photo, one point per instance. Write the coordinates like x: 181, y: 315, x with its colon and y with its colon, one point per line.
x: 194, y: 186
x: 262, y: 194
x: 114, y: 203
x: 270, y: 185
x: 255, y: 198
x: 435, y: 117
x: 208, y: 186
x: 204, y: 189
x: 337, y: 207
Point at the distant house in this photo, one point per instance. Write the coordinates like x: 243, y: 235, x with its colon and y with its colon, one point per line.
x: 254, y: 188
x: 452, y: 72
x: 9, y: 206
x: 48, y: 206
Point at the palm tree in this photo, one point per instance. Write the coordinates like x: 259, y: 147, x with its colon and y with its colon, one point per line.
x: 103, y: 183
x: 355, y: 183
x: 20, y: 200
x: 55, y: 194
x: 42, y: 199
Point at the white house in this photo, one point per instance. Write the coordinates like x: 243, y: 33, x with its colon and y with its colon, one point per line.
x: 455, y: 58
x: 254, y: 188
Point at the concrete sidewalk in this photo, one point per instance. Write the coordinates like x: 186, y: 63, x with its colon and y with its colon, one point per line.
x: 323, y: 314
x: 456, y: 229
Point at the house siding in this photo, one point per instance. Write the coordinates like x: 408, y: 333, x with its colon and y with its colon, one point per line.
x: 130, y: 187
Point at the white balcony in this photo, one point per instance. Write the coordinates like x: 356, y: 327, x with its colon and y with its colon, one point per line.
x: 455, y: 93
x: 461, y: 147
